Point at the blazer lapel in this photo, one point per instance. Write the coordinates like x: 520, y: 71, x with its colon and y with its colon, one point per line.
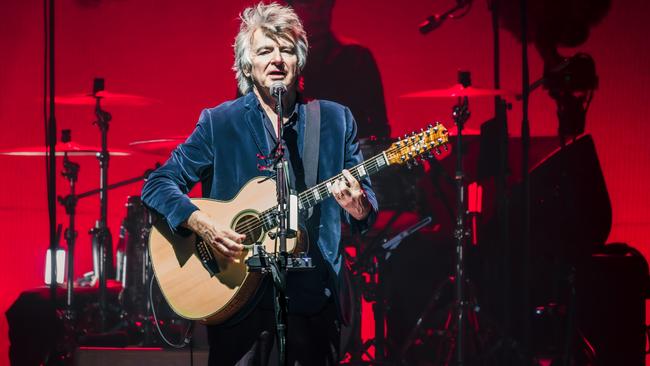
x: 252, y: 118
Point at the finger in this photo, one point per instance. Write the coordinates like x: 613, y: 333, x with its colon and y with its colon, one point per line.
x: 223, y: 250
x: 351, y: 180
x: 232, y: 235
x: 336, y: 190
x: 231, y: 245
x: 345, y: 188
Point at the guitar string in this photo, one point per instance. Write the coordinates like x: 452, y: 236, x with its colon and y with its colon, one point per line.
x: 249, y: 228
x: 257, y: 223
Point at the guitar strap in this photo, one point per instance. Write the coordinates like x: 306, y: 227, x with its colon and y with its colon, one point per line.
x: 311, y: 143
x: 310, y: 147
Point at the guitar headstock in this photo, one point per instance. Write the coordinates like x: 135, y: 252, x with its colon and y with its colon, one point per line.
x: 416, y: 144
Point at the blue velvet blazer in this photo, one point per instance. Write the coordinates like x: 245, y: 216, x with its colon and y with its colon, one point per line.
x: 222, y: 152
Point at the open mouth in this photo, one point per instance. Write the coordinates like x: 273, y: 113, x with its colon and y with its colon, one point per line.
x: 277, y: 74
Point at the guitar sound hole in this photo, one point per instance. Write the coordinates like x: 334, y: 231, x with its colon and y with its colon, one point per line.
x: 250, y: 225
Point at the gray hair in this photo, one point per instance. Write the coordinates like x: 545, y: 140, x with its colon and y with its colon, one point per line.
x: 276, y: 21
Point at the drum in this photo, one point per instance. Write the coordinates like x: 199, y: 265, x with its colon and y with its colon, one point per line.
x: 133, y: 266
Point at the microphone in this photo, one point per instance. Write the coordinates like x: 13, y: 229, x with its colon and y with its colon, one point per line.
x: 277, y: 89
x: 431, y: 23
x: 434, y: 21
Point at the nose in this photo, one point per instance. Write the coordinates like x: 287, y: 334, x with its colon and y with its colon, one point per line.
x: 277, y: 57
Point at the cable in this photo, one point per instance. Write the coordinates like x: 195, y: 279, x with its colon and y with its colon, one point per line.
x: 187, y: 338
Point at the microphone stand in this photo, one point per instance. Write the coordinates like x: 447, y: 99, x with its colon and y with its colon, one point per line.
x: 280, y: 302
x: 279, y: 263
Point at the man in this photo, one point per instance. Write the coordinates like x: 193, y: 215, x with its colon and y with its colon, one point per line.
x: 222, y: 153
x: 341, y: 70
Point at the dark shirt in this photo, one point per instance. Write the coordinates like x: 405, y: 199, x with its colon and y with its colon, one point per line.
x: 313, y: 287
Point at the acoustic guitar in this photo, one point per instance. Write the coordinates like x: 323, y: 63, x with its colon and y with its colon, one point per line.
x: 199, y: 284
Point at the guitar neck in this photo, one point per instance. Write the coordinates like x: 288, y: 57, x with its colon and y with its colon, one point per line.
x: 320, y: 192
x: 400, y: 152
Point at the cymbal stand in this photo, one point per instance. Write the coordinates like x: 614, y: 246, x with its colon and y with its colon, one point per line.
x: 461, y: 115
x: 70, y: 172
x: 101, y: 234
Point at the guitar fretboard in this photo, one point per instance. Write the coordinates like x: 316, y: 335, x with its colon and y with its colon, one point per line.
x: 320, y: 192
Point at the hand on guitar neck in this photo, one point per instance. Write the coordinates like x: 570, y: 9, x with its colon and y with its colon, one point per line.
x: 348, y: 193
x: 221, y: 238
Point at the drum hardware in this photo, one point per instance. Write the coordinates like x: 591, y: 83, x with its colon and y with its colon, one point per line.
x: 69, y: 201
x: 446, y: 334
x: 462, y: 310
x: 371, y: 262
x: 136, y: 274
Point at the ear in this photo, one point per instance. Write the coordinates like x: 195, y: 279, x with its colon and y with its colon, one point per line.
x: 246, y: 71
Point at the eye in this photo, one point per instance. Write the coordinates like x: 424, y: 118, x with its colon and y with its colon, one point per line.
x: 288, y: 50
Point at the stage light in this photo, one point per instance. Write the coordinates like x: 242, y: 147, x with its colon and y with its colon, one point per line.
x: 60, y: 266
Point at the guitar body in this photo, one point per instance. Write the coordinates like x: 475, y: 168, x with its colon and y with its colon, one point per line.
x: 188, y: 286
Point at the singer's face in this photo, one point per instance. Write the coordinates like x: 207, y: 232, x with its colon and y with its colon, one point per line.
x: 273, y: 60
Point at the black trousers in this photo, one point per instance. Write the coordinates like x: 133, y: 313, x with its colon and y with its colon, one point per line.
x: 312, y: 340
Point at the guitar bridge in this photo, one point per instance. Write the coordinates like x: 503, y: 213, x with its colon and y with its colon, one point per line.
x: 207, y: 259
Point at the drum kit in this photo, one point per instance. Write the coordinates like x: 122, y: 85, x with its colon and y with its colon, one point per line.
x: 133, y: 271
x: 397, y: 191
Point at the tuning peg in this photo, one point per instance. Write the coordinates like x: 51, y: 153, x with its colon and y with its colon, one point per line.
x: 437, y: 151
x: 408, y: 165
x: 415, y: 162
x: 402, y: 158
x: 429, y: 155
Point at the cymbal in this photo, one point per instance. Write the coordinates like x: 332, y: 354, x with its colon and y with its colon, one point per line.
x: 71, y: 148
x: 457, y: 90
x: 161, y: 146
x: 107, y: 98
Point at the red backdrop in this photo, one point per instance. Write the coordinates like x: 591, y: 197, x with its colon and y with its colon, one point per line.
x: 180, y: 54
